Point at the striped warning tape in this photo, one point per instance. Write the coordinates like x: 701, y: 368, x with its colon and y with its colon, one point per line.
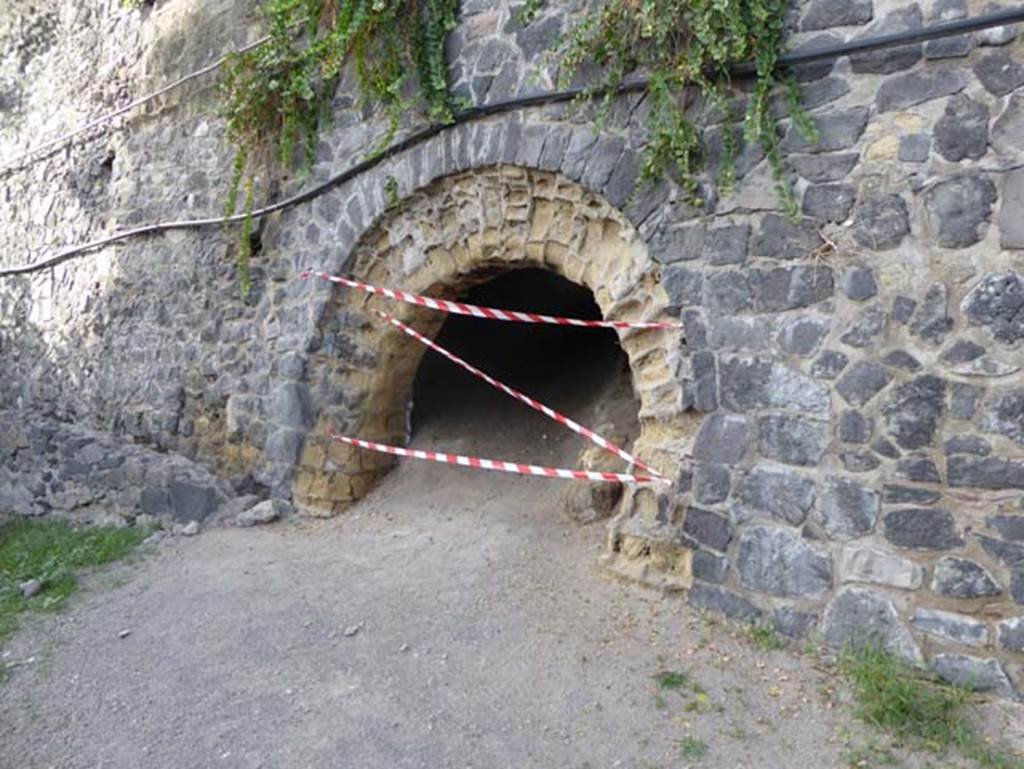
x: 498, y: 464
x: 490, y: 313
x: 576, y: 427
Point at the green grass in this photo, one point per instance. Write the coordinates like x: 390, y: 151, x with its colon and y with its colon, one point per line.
x: 765, y: 637
x: 917, y: 710
x: 671, y: 680
x: 693, y: 749
x: 51, y: 552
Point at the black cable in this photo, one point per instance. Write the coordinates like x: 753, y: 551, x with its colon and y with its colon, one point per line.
x: 744, y: 69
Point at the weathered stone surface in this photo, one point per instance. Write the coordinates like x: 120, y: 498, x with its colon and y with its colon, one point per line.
x: 881, y: 222
x: 986, y: 473
x: 681, y: 242
x: 890, y: 60
x: 752, y: 383
x: 684, y: 287
x: 1008, y: 129
x: 863, y: 563
x: 1010, y: 553
x: 711, y: 483
x: 902, y: 359
x: 1004, y: 414
x: 1011, y: 634
x: 903, y: 308
x: 858, y: 461
x: 858, y: 283
x: 865, y: 326
x: 264, y: 512
x: 790, y: 288
x: 1011, y: 212
x: 967, y: 444
x: 824, y: 168
x: 700, y: 389
x: 862, y: 382
x: 829, y: 202
x: 1010, y: 527
x: 793, y: 623
x: 884, y: 448
x: 854, y: 427
x: 999, y: 72
x: 829, y: 364
x: 907, y: 90
x: 963, y: 578
x: 963, y: 402
x: 848, y: 509
x: 997, y: 302
x: 837, y: 130
x: 780, y: 562
x: 709, y: 567
x: 956, y: 208
x: 723, y: 601
x: 801, y: 336
x: 958, y: 628
x: 722, y: 438
x: 921, y: 469
x: 982, y: 675
x: 708, y: 528
x: 740, y: 333
x: 932, y: 321
x: 962, y: 132
x: 1017, y: 585
x: 961, y: 351
x: 922, y: 528
x: 293, y: 407
x: 781, y: 494
x: 727, y: 244
x: 780, y: 238
x: 822, y: 14
x: 858, y: 616
x: 791, y: 439
x: 894, y: 494
x: 913, y: 410
x: 727, y: 293
x: 914, y: 148
x: 180, y: 500
x: 955, y: 47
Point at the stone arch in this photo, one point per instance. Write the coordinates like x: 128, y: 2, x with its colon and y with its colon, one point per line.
x: 440, y: 241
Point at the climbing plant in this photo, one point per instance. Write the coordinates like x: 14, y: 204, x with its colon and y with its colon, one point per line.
x: 277, y: 96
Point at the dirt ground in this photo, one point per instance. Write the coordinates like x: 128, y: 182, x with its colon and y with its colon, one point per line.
x: 452, y: 619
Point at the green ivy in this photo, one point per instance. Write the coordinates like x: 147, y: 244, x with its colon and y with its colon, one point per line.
x: 685, y: 47
x: 277, y: 96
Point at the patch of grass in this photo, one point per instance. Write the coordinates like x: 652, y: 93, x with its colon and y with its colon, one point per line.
x: 692, y: 748
x: 870, y: 756
x: 765, y: 637
x: 671, y: 680
x: 919, y: 711
x: 51, y: 551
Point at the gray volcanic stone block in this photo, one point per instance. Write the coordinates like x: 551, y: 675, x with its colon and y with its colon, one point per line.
x: 1004, y: 414
x: 752, y: 383
x: 967, y: 444
x: 1017, y: 586
x: 829, y: 202
x: 907, y: 90
x: 848, y: 509
x: 790, y: 288
x: 924, y: 528
x: 723, y: 601
x: 711, y: 483
x: 961, y: 351
x: 684, y: 287
x: 956, y: 47
x: 1011, y: 634
x: 854, y: 427
x: 963, y: 401
x: 999, y: 72
x: 963, y: 578
x: 914, y: 148
x: 700, y: 391
x: 861, y: 617
x: 1010, y: 527
x: 863, y: 563
x: 1011, y: 212
x: 921, y: 469
x: 890, y: 60
x: 998, y: 303
x: 727, y: 293
x: 859, y: 461
x: 902, y: 359
x: 740, y: 333
x: 932, y: 321
x: 903, y: 308
x: 866, y: 325
x: 678, y: 243
x: 709, y: 567
x: 792, y: 623
x: 881, y: 222
x: 801, y: 336
x: 293, y: 406
x: 1008, y: 129
x: 884, y: 448
x: 792, y: 439
x: 780, y: 562
x: 1010, y: 553
x: 858, y: 283
x: 862, y: 382
x: 956, y: 207
x: 822, y: 14
x: 829, y: 364
x: 958, y: 628
x: 824, y: 168
x: 895, y: 494
x: 708, y: 528
x: 780, y: 238
x: 981, y: 675
x: 962, y: 132
x: 781, y: 494
x: 727, y: 244
x: 722, y: 438
x: 985, y: 473
x: 913, y: 410
x: 837, y: 130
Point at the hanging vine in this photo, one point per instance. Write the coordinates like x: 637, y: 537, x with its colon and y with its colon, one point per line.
x: 278, y: 96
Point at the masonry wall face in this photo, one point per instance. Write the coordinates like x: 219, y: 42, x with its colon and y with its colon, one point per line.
x: 845, y: 419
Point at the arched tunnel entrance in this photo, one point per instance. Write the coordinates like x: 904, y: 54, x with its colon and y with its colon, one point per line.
x: 583, y: 373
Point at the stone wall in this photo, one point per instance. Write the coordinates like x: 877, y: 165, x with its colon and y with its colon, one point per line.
x: 845, y: 418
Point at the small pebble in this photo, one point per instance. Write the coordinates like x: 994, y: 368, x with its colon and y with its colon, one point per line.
x: 30, y: 588
x: 190, y: 529
x: 124, y: 634
x: 404, y: 648
x: 351, y: 630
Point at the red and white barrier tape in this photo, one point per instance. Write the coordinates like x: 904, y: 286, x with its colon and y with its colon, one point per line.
x: 498, y: 464
x: 576, y: 427
x: 489, y: 313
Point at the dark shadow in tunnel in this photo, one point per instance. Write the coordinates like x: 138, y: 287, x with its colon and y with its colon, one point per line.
x: 583, y: 373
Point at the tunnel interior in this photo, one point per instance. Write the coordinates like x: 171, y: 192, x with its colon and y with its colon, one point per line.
x: 583, y: 373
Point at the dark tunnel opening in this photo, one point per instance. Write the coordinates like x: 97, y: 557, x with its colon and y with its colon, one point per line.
x: 583, y: 373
